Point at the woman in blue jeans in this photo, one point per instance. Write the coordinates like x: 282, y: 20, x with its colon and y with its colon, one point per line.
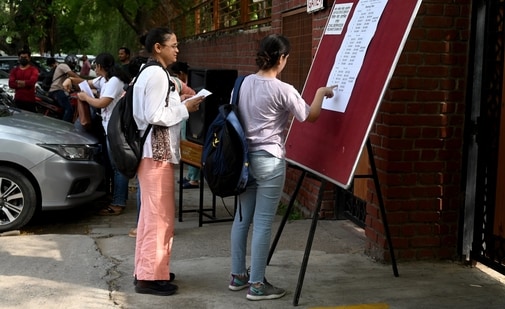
x: 265, y: 106
x: 111, y: 88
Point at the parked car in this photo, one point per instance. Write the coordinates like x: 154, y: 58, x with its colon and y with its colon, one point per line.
x: 45, y: 164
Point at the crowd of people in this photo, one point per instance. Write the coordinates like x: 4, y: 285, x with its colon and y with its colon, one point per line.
x: 266, y: 104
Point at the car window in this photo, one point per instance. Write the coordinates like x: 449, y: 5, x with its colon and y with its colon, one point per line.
x: 7, y: 63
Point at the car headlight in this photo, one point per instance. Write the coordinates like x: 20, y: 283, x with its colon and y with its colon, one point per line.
x: 73, y: 152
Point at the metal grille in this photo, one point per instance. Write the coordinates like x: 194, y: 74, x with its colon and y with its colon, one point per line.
x: 350, y: 207
x: 488, y: 248
x: 214, y: 16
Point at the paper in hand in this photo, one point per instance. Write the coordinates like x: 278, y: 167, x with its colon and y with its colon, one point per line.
x: 202, y: 93
x: 85, y: 87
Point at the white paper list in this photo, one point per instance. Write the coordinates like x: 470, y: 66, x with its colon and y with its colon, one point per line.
x: 350, y: 57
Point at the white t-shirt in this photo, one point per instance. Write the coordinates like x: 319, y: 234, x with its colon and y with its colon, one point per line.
x: 98, y: 83
x: 150, y: 107
x: 265, y: 105
x: 112, y: 88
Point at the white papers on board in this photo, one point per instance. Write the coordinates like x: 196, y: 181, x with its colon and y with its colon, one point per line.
x: 350, y: 57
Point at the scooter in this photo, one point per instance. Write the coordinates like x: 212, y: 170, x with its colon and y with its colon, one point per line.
x: 6, y: 98
x: 48, y: 106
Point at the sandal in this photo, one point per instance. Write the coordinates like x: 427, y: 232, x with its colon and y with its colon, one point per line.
x: 110, y: 211
x: 189, y: 185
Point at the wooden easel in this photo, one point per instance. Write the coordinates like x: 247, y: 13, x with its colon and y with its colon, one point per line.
x: 315, y: 218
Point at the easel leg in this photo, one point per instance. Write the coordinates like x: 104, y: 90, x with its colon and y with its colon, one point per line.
x: 200, y: 213
x: 286, y: 216
x: 382, y: 208
x: 308, y: 246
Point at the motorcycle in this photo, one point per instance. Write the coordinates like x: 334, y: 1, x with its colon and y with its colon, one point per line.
x: 6, y: 98
x: 48, y: 106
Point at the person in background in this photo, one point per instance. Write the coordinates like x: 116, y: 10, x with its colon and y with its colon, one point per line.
x: 134, y: 68
x: 265, y: 106
x: 97, y: 130
x: 124, y: 58
x: 180, y: 70
x: 86, y: 66
x: 57, y: 90
x: 156, y: 102
x: 111, y: 88
x: 22, y: 79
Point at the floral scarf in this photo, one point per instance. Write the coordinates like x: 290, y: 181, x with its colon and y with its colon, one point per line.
x: 160, y: 137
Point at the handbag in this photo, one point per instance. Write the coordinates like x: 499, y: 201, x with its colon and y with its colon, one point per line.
x: 84, y: 114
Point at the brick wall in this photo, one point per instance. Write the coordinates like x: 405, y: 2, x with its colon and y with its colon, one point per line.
x: 417, y: 136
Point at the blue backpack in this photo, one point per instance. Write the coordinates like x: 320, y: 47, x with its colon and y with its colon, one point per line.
x: 225, y: 162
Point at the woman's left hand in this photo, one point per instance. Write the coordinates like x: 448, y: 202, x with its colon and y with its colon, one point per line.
x: 193, y: 104
x: 82, y: 96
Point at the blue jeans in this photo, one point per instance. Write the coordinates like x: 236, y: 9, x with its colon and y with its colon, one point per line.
x: 258, y: 205
x: 62, y: 99
x: 193, y: 173
x: 120, y: 186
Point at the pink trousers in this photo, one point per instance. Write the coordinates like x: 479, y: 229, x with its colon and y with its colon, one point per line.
x: 155, y: 227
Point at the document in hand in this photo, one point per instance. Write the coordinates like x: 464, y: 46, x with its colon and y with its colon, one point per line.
x: 202, y: 93
x: 85, y: 87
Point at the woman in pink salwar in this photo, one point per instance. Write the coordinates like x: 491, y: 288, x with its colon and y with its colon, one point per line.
x: 156, y: 102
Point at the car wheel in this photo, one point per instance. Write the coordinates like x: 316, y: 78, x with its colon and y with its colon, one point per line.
x: 18, y: 200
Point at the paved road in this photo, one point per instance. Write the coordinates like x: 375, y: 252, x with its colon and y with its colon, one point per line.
x: 75, y: 259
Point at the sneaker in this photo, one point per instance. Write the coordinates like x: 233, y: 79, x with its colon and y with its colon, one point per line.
x: 238, y: 283
x: 263, y: 291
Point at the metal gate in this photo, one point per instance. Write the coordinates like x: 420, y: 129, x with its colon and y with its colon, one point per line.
x: 483, y: 225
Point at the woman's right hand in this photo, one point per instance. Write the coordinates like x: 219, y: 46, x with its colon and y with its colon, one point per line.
x: 328, y: 91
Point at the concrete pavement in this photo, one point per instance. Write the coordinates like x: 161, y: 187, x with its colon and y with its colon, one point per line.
x: 94, y: 269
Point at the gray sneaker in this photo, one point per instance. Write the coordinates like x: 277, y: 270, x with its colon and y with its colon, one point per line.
x: 238, y: 283
x: 264, y: 291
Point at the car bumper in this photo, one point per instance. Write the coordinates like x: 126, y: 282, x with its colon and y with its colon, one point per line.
x: 65, y: 184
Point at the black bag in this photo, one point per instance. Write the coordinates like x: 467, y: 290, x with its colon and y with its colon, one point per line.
x: 123, y: 134
x: 225, y: 161
x: 48, y: 80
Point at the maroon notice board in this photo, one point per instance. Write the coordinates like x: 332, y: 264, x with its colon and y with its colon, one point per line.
x: 331, y: 146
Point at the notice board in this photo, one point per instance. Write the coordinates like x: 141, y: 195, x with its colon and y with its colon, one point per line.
x: 331, y: 146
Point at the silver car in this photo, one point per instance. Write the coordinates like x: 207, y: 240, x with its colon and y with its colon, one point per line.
x: 44, y: 164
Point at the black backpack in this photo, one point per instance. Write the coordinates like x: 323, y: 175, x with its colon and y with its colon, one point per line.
x: 124, y: 137
x: 225, y: 161
x: 48, y: 80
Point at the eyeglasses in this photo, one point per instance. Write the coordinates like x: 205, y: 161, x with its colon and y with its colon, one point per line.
x: 174, y: 46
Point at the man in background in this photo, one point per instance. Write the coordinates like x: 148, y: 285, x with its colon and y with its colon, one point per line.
x: 22, y: 79
x: 57, y: 90
x: 86, y: 66
x: 124, y: 58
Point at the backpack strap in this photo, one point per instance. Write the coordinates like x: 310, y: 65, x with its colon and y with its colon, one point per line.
x: 170, y: 85
x: 236, y: 123
x: 149, y: 126
x: 236, y: 89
